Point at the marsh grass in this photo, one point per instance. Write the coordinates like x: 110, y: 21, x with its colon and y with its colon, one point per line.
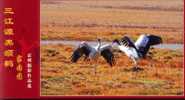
x: 162, y: 74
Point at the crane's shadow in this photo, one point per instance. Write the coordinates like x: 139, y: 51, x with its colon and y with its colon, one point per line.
x: 134, y: 69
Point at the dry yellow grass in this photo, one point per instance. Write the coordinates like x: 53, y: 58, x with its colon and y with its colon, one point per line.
x: 162, y: 74
x: 109, y: 19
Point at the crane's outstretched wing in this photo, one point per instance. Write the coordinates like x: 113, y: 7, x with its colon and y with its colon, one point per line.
x: 108, y: 56
x: 80, y: 51
x: 154, y: 40
x: 144, y: 42
x: 127, y: 42
x: 127, y: 46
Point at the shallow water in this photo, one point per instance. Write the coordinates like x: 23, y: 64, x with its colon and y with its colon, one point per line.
x: 76, y: 43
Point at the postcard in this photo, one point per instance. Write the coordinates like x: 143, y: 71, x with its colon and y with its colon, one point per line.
x: 92, y: 48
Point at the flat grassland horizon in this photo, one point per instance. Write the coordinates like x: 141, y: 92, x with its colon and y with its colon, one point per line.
x: 88, y: 20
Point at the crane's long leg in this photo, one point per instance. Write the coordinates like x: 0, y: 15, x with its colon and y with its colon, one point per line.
x: 95, y: 70
x: 135, y: 63
x: 95, y: 66
x: 96, y: 75
x: 93, y: 63
x: 135, y: 68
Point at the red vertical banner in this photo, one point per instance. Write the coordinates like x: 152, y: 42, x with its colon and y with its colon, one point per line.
x: 20, y: 51
x: 1, y: 48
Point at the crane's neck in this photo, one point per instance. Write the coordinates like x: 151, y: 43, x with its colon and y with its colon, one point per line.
x: 99, y: 45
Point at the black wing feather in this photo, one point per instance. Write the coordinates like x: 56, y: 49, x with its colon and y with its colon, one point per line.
x: 76, y: 55
x: 80, y: 52
x: 108, y: 56
x: 126, y: 40
x: 154, y: 40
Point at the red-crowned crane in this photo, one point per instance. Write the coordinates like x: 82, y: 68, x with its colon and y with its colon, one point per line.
x: 139, y: 49
x: 92, y: 52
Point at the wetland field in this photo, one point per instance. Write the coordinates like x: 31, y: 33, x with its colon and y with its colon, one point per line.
x: 87, y: 20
